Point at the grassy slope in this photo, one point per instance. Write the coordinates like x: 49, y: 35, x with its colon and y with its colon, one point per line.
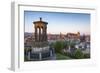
x: 61, y: 57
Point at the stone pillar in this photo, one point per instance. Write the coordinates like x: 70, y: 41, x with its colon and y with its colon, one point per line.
x: 51, y: 54
x: 35, y: 34
x: 29, y: 55
x: 45, y: 34
x: 39, y: 34
x: 40, y: 56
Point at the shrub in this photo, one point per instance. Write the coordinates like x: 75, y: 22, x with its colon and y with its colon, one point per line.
x: 78, y: 54
x: 86, y: 55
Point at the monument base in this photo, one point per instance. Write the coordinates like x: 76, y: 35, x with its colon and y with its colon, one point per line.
x: 40, y: 51
x: 39, y: 54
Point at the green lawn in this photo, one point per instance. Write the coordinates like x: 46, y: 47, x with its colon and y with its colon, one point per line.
x: 61, y: 56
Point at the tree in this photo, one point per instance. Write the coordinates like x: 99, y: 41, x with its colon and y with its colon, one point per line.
x: 78, y: 54
x: 51, y: 45
x: 59, y: 45
x: 72, y: 44
x: 66, y: 44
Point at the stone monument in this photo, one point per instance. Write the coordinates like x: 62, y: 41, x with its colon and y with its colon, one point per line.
x: 40, y: 49
x: 40, y: 33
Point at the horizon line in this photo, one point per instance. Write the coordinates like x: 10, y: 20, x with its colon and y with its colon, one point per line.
x: 65, y: 33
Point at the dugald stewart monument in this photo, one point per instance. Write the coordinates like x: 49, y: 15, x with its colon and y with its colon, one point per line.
x: 39, y: 47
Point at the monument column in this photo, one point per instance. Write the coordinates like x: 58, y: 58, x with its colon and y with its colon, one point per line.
x: 39, y: 34
x: 45, y: 33
x: 35, y: 34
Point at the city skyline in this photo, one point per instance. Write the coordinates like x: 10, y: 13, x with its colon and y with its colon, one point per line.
x: 58, y: 22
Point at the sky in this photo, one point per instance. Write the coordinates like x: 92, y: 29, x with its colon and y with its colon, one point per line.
x: 59, y: 22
